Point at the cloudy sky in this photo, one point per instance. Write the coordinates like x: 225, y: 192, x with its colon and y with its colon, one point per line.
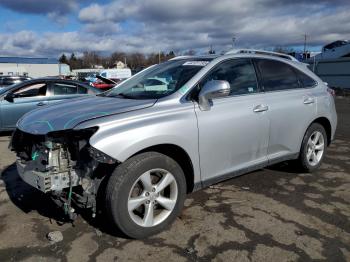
x: 51, y: 27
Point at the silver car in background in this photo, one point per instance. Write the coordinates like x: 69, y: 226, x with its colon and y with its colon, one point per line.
x: 18, y: 99
x: 143, y: 146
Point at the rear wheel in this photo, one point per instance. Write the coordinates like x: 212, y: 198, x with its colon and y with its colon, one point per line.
x: 145, y: 194
x: 313, y: 148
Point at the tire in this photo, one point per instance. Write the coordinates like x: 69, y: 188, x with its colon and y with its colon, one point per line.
x: 304, y: 159
x: 126, y: 185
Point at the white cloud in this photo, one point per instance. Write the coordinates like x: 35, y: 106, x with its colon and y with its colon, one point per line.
x: 153, y: 25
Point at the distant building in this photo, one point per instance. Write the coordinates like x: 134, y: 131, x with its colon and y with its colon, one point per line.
x: 33, y: 67
x: 97, y: 67
x: 119, y: 65
x: 332, y: 65
x: 84, y: 73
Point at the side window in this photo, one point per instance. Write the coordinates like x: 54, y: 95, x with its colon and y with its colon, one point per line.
x: 38, y: 89
x: 277, y: 75
x: 239, y: 73
x: 64, y: 89
x: 82, y: 90
x: 306, y: 80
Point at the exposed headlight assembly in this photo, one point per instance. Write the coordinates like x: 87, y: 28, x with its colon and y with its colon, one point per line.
x: 100, y: 156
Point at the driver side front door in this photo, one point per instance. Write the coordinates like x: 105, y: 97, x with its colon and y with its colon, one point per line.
x: 26, y: 98
x: 233, y: 134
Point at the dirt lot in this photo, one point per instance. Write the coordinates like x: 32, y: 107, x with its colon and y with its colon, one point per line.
x: 275, y: 214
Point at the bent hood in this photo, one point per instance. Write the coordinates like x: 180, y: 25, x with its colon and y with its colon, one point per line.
x: 68, y: 114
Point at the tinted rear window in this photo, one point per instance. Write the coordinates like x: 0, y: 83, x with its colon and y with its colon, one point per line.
x: 277, y: 75
x: 305, y: 80
x: 64, y: 89
x: 82, y: 90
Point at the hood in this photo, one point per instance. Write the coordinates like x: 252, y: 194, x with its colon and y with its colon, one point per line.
x: 68, y: 114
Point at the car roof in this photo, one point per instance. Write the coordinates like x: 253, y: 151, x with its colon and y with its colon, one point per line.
x: 14, y: 77
x: 53, y: 79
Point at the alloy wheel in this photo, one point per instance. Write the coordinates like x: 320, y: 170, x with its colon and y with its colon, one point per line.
x: 152, y: 197
x: 315, y: 148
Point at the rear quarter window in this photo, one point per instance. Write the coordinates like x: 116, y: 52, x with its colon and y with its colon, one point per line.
x: 82, y: 90
x: 305, y: 80
x: 276, y: 75
x: 64, y: 89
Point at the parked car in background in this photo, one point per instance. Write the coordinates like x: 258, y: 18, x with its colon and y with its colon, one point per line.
x: 104, y: 83
x: 174, y: 128
x: 11, y: 80
x: 16, y: 100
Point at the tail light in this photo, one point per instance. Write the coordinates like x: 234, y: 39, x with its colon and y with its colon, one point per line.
x: 331, y: 91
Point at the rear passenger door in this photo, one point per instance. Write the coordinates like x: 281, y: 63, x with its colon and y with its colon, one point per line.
x: 233, y: 134
x: 292, y: 107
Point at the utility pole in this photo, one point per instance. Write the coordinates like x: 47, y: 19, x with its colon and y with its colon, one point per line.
x: 234, y: 38
x: 159, y: 57
x: 211, y: 50
x: 305, y: 40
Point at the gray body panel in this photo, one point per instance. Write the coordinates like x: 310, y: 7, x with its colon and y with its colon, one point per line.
x: 10, y: 112
x: 289, y: 117
x: 235, y: 140
x: 230, y: 138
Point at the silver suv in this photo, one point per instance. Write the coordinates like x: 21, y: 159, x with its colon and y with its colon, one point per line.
x: 174, y: 128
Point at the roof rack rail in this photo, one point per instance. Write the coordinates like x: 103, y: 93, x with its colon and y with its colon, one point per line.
x: 261, y: 52
x: 180, y: 57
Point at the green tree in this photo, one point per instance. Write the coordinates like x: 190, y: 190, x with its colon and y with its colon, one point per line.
x: 63, y: 59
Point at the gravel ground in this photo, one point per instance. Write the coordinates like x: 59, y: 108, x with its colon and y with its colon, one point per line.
x: 274, y: 214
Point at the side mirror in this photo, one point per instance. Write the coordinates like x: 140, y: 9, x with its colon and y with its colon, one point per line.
x: 9, y: 97
x: 212, y: 89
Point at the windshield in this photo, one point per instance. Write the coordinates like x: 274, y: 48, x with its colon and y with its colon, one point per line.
x: 4, y: 89
x: 160, y: 80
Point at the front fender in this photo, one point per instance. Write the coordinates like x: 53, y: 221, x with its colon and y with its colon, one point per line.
x: 124, y: 135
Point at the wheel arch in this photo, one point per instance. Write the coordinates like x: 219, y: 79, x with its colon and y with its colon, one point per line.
x: 323, y: 121
x: 179, y: 155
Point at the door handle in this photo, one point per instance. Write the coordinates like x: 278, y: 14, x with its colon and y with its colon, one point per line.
x: 260, y: 108
x: 309, y: 100
x: 41, y: 104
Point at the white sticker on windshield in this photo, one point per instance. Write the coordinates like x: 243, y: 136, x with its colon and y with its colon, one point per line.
x: 196, y: 63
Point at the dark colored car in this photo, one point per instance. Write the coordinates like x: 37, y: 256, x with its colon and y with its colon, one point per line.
x: 16, y: 100
x: 11, y: 80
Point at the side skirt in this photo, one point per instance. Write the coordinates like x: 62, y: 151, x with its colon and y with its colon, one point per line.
x: 214, y: 180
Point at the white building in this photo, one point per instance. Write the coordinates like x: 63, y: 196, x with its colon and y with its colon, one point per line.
x: 332, y: 65
x: 33, y: 67
x: 120, y: 65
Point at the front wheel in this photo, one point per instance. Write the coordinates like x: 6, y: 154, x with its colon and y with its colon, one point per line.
x: 145, y: 194
x: 313, y: 148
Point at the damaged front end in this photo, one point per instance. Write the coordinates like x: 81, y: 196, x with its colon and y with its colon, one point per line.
x: 63, y: 164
